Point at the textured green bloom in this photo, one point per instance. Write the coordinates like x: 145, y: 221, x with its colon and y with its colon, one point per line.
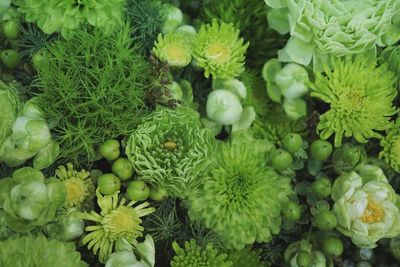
x: 79, y: 187
x: 29, y: 251
x: 365, y: 206
x: 241, y: 198
x: 171, y: 150
x: 191, y: 255
x: 360, y: 95
x: 67, y: 15
x: 391, y: 146
x: 339, y: 28
x: 219, y: 50
x: 117, y: 222
x: 9, y: 103
x: 245, y: 258
x: 174, y: 49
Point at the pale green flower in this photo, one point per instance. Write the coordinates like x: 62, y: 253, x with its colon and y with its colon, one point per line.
x: 174, y: 49
x: 365, y: 206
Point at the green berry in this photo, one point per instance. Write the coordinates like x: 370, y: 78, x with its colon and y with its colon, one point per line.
x: 138, y: 190
x: 282, y: 160
x: 108, y: 184
x: 321, y: 187
x: 11, y: 29
x: 291, y: 211
x: 110, y: 149
x: 123, y: 168
x: 158, y: 193
x: 292, y: 142
x: 325, y: 220
x: 10, y: 58
x: 333, y: 246
x: 321, y: 150
x: 303, y: 259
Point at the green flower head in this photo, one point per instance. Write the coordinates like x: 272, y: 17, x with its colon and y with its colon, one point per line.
x: 38, y: 251
x: 219, y: 50
x: 67, y: 15
x: 360, y: 95
x: 171, y: 150
x: 79, y: 187
x: 174, y: 49
x: 117, y: 222
x: 365, y: 206
x: 232, y: 200
x: 391, y: 146
x: 191, y: 255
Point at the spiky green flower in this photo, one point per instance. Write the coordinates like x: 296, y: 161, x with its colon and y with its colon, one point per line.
x: 391, y: 146
x: 116, y: 222
x: 174, y: 49
x: 65, y: 16
x: 38, y: 251
x: 219, y: 50
x: 360, y: 95
x: 79, y: 187
x: 191, y: 255
x: 241, y: 198
x: 171, y: 149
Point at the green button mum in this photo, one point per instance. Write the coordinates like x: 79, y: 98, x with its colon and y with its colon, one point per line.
x: 219, y: 50
x: 391, y: 146
x: 360, y: 95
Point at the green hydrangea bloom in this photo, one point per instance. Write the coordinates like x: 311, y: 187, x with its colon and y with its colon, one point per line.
x: 170, y: 149
x: 117, y: 222
x: 360, y: 95
x: 339, y: 28
x: 67, y: 15
x: 38, y: 251
x: 365, y: 206
x: 191, y: 255
x: 174, y: 49
x: 219, y: 50
x: 391, y: 146
x: 232, y: 199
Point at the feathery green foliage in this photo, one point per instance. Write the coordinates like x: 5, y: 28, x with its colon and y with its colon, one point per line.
x: 94, y: 84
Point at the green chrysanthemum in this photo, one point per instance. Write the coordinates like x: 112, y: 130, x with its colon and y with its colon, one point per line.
x: 245, y: 258
x: 220, y: 51
x: 391, y: 146
x: 78, y: 185
x: 194, y: 256
x: 360, y: 95
x: 116, y: 222
x: 170, y: 149
x: 38, y: 251
x: 174, y: 49
x: 232, y: 200
x: 67, y: 15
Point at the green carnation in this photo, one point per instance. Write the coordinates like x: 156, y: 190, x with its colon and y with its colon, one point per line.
x: 191, y: 255
x: 360, y: 95
x: 171, y: 150
x: 174, y: 49
x: 365, y: 206
x: 219, y: 50
x: 391, y: 146
x: 232, y: 199
x: 323, y: 27
x: 38, y: 251
x: 65, y: 16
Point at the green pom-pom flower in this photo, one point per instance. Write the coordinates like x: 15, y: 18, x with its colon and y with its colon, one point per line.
x: 174, y: 49
x: 360, y: 95
x: 232, y: 200
x: 391, y: 146
x: 38, y: 251
x: 79, y: 187
x: 170, y: 149
x: 117, y: 222
x: 219, y: 50
x: 365, y: 206
x: 67, y: 15
x: 191, y: 255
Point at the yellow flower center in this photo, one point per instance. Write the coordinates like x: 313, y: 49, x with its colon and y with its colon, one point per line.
x: 218, y: 52
x: 122, y: 222
x: 352, y: 100
x: 373, y: 213
x: 76, y: 191
x: 176, y: 53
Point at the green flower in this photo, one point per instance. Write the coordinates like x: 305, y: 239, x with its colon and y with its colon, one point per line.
x: 79, y: 187
x: 117, y: 222
x: 38, y: 251
x: 391, y: 146
x: 191, y: 255
x: 245, y: 258
x: 232, y: 199
x: 171, y: 150
x: 338, y: 28
x: 219, y: 50
x: 360, y: 95
x: 365, y: 206
x: 9, y: 103
x: 174, y: 49
x: 67, y: 15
